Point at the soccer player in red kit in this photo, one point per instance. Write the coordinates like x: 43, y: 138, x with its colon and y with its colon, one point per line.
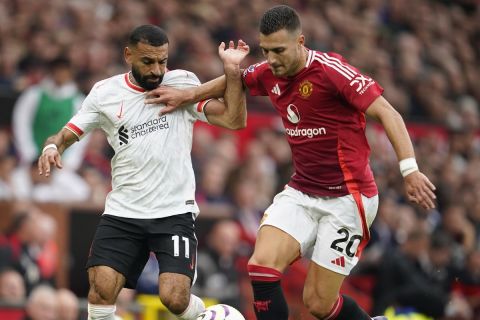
x: 325, y: 211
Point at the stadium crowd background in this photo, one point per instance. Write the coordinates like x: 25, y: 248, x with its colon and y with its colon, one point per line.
x: 424, y: 53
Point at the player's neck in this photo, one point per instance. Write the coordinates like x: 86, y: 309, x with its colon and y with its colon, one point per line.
x: 301, y: 62
x: 132, y: 80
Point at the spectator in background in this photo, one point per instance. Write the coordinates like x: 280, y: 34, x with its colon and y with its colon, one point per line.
x: 244, y: 191
x: 468, y: 284
x: 217, y: 272
x: 42, y: 304
x: 68, y: 305
x: 43, y: 109
x: 12, y: 286
x: 39, y: 112
x: 7, y: 165
x: 457, y: 225
x: 34, y: 253
x: 418, y: 276
x: 13, y: 292
x: 399, y: 279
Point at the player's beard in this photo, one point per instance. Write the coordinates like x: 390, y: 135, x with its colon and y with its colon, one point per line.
x: 143, y: 80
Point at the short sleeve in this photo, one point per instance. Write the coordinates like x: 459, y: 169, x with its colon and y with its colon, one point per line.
x: 251, y: 80
x: 87, y: 117
x: 197, y: 110
x: 357, y: 89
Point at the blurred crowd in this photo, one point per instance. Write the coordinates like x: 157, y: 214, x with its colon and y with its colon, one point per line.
x: 424, y: 53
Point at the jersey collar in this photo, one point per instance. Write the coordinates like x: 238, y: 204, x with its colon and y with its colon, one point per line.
x: 132, y: 85
x: 311, y: 54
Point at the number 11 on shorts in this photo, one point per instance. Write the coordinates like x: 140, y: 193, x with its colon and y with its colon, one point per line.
x: 176, y: 246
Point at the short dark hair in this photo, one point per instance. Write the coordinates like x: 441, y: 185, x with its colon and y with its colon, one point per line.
x: 278, y: 18
x: 148, y: 34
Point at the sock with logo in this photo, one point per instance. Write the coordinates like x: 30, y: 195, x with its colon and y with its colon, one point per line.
x: 269, y: 302
x: 345, y: 308
x: 195, y: 307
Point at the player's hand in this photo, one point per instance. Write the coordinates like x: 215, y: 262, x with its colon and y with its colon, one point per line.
x: 232, y: 55
x: 172, y: 98
x: 50, y: 157
x: 420, y: 190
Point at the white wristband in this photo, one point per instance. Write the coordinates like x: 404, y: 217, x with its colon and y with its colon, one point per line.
x: 48, y: 146
x: 408, y: 166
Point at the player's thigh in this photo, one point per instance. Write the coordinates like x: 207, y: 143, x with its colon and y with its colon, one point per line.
x: 343, y: 231
x: 105, y: 284
x: 287, y: 231
x: 174, y: 243
x: 121, y: 244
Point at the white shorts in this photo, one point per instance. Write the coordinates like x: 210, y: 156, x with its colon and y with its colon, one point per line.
x: 329, y: 229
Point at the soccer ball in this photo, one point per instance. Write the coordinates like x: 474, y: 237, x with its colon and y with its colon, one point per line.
x: 220, y: 312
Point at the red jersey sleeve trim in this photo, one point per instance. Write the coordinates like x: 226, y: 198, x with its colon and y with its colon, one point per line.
x: 76, y: 130
x: 131, y: 85
x: 201, y: 105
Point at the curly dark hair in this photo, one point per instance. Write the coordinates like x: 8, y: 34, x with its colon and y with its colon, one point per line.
x: 148, y: 34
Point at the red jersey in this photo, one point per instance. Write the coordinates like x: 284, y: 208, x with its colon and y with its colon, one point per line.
x: 323, y: 112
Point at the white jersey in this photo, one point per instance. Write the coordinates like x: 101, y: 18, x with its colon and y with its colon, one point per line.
x: 152, y: 174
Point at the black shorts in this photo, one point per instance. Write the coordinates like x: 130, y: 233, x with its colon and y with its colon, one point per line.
x: 124, y: 244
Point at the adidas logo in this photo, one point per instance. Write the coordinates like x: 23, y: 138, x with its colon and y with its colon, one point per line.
x: 123, y: 135
x: 339, y: 261
x: 276, y: 90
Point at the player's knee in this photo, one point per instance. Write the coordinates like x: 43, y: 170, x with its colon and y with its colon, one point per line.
x: 100, y: 295
x: 175, y: 299
x: 316, y: 304
x: 105, y: 283
x: 263, y: 261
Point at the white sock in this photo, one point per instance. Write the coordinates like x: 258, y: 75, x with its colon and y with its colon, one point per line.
x: 101, y: 312
x: 195, y: 307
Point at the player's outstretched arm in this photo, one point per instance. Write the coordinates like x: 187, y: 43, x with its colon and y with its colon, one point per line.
x: 232, y: 113
x: 418, y: 187
x: 54, y: 147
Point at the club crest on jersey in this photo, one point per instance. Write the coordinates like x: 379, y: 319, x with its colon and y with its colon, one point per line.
x: 305, y: 89
x: 292, y: 114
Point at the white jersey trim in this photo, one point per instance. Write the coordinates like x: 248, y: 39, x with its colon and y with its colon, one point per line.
x: 309, y: 58
x: 334, y: 65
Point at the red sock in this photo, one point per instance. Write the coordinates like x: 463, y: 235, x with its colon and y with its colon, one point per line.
x: 269, y: 302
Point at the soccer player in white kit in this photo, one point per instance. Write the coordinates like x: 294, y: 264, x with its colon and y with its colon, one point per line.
x: 152, y: 203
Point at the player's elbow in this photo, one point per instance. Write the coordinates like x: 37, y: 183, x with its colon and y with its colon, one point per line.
x: 239, y: 121
x: 237, y: 124
x: 234, y: 119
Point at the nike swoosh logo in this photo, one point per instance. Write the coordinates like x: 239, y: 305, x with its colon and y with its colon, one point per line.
x: 120, y: 112
x: 192, y: 264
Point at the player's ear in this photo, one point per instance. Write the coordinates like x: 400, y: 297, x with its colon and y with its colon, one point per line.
x: 301, y: 39
x: 127, y: 54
